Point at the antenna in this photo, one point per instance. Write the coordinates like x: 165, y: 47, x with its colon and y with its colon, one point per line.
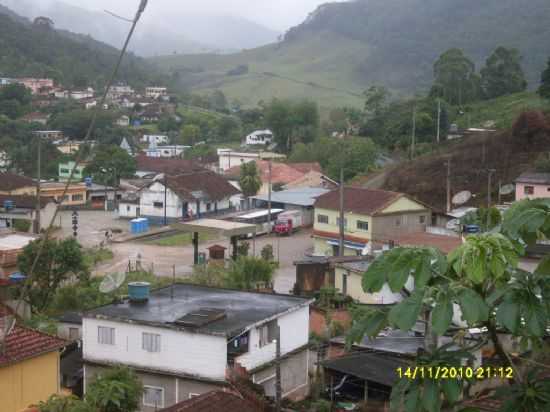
x: 462, y: 197
x: 112, y: 282
x: 507, y: 189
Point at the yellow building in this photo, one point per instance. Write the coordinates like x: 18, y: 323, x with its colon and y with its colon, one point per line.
x: 370, y: 216
x: 75, y: 196
x: 14, y: 184
x: 29, y: 368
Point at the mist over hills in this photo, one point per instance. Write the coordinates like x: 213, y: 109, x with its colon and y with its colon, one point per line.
x: 343, y: 48
x: 158, y: 33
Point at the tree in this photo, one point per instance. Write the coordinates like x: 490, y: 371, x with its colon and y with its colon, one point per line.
x: 502, y: 74
x: 375, y: 99
x: 455, y: 78
x: 75, y: 123
x: 117, y: 390
x: 60, y: 403
x: 529, y: 125
x: 267, y: 253
x: 111, y: 163
x: 544, y: 89
x: 249, y: 179
x: 483, y: 280
x: 190, y: 134
x: 217, y: 101
x: 542, y: 164
x: 58, y: 262
x: 249, y: 272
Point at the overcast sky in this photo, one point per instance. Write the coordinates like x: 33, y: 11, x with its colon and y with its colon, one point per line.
x: 277, y: 14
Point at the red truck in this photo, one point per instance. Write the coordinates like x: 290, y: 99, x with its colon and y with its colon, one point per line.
x: 288, y: 222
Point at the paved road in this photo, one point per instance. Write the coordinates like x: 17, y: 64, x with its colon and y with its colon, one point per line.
x: 163, y: 259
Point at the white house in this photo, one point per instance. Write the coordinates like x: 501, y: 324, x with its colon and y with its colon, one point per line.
x: 184, y: 340
x: 154, y: 139
x: 126, y: 146
x: 123, y: 121
x: 186, y: 196
x: 260, y: 137
x: 165, y: 150
x: 228, y: 158
x: 155, y: 92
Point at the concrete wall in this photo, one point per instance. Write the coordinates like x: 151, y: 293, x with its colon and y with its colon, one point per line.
x: 355, y: 289
x: 180, y: 352
x: 388, y: 227
x: 64, y: 331
x: 29, y: 382
x: 175, y: 389
x: 294, y: 376
x: 294, y: 329
x: 128, y: 210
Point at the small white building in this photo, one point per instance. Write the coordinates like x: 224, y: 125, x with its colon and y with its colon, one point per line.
x: 201, y: 336
x: 186, y: 196
x: 228, y: 158
x: 126, y: 146
x: 123, y: 121
x: 155, y: 92
x: 82, y: 94
x: 157, y: 139
x: 166, y: 151
x: 259, y: 137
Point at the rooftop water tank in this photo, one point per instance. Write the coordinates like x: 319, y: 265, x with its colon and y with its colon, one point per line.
x: 9, y: 204
x: 138, y: 291
x: 17, y: 277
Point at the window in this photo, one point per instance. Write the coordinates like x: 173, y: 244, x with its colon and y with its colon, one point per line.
x: 158, y: 205
x: 208, y: 207
x: 105, y: 336
x: 362, y: 225
x: 398, y: 221
x: 322, y: 219
x: 77, y: 197
x: 529, y: 190
x: 128, y: 208
x: 151, y: 342
x: 268, y: 333
x: 422, y: 219
x: 65, y: 171
x: 153, y: 396
x: 338, y: 222
x: 74, y: 334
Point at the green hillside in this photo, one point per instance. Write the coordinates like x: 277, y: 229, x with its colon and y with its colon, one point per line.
x: 343, y: 48
x: 71, y: 59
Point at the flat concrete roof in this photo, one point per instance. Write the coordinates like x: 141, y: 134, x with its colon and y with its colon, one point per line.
x: 299, y: 197
x: 242, y: 309
x: 16, y: 241
x: 222, y: 227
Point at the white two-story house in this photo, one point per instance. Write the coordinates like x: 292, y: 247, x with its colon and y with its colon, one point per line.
x: 185, y: 340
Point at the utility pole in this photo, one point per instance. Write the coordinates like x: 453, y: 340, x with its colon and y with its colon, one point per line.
x: 413, y: 139
x: 341, y: 225
x: 449, y: 185
x: 165, y: 196
x: 489, y: 186
x: 269, y: 198
x: 438, y: 120
x: 38, y: 178
x: 278, y: 385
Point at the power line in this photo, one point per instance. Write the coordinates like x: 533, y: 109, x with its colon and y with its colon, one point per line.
x: 28, y: 282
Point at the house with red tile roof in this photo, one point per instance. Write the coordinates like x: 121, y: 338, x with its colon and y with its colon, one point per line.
x: 286, y: 175
x: 216, y: 401
x: 29, y: 365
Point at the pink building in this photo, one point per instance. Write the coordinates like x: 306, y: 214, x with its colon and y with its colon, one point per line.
x: 533, y: 186
x: 37, y: 86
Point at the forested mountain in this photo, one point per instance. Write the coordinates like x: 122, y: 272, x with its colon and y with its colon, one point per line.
x: 73, y: 60
x: 159, y: 32
x: 345, y: 47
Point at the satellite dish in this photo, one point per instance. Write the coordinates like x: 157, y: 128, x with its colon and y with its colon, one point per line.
x: 112, y: 282
x: 507, y: 189
x: 462, y: 197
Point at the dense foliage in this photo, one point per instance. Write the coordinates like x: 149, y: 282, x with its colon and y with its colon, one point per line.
x: 479, y: 285
x: 249, y: 179
x: 110, y: 163
x: 15, y: 100
x: 544, y: 89
x: 502, y: 74
x: 71, y: 60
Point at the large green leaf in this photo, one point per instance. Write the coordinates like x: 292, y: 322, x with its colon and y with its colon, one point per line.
x: 430, y: 396
x: 544, y: 267
x: 397, y: 393
x: 452, y: 389
x: 442, y: 315
x: 375, y: 276
x: 405, y: 314
x: 474, y: 309
x: 412, y: 399
x: 535, y: 319
x: 508, y: 315
x: 401, y: 266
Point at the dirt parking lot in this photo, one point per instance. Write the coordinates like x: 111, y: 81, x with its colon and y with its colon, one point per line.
x: 163, y: 259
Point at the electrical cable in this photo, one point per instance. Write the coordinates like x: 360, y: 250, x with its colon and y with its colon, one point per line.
x: 28, y: 281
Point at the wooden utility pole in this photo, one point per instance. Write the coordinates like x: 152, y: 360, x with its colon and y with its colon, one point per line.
x: 449, y: 206
x: 413, y: 138
x: 269, y: 197
x: 438, y: 120
x: 165, y: 198
x: 489, y: 187
x: 278, y: 385
x: 38, y: 178
x: 341, y: 207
